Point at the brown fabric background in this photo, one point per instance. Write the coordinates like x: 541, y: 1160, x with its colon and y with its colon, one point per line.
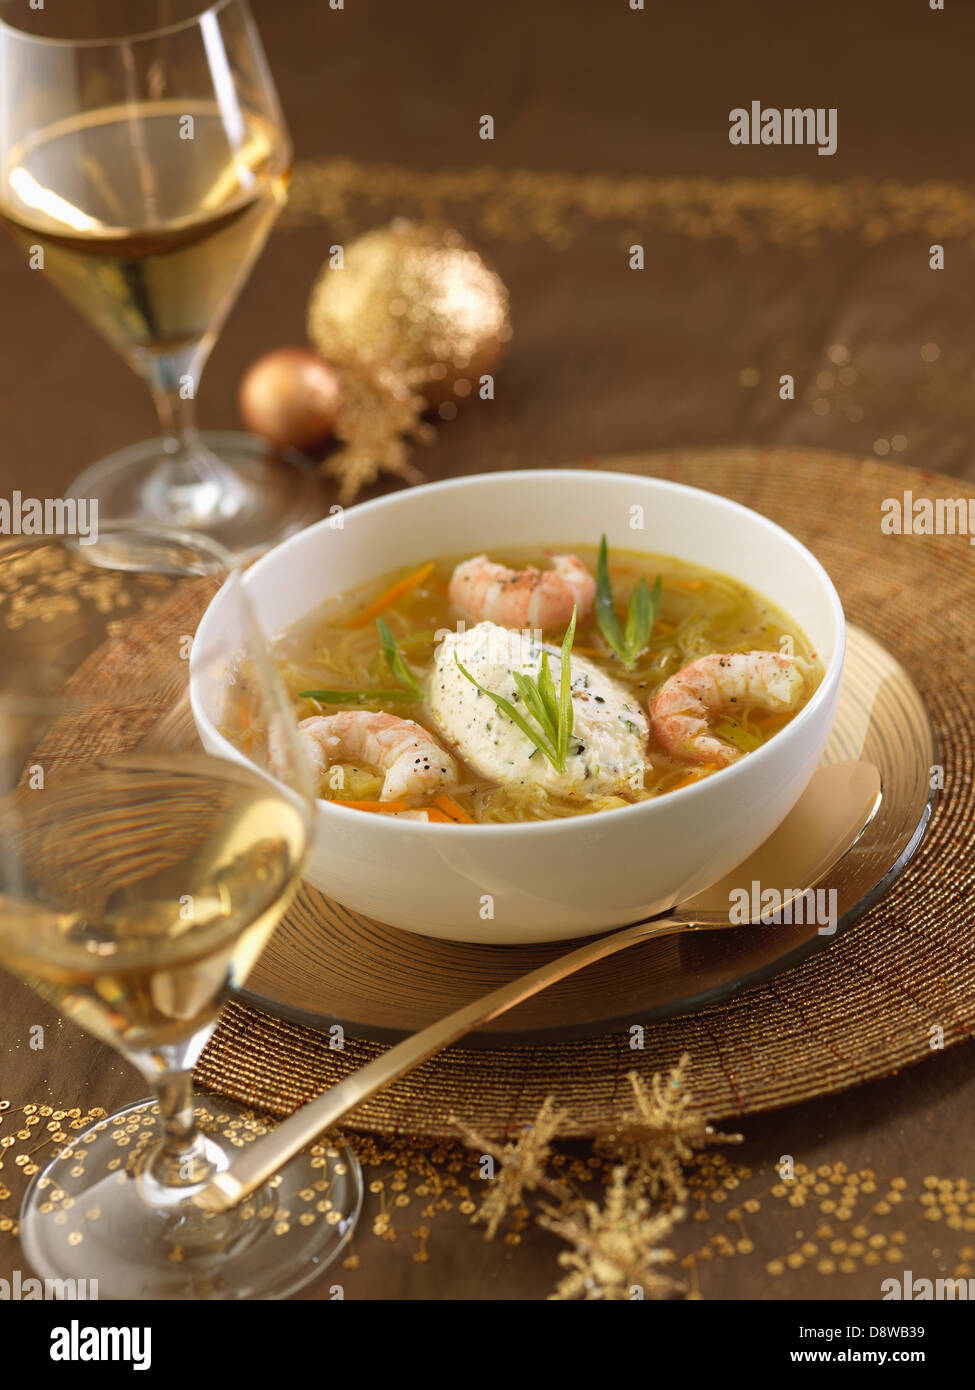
x: 603, y: 361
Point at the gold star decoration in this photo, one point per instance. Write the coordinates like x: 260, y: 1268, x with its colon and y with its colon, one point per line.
x: 617, y: 1246
x: 380, y: 414
x: 661, y: 1133
x: 521, y: 1167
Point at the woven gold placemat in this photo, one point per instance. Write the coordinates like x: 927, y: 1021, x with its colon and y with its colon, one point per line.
x: 894, y: 987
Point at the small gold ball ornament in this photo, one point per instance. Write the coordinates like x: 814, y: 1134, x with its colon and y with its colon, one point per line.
x: 415, y: 302
x: 290, y: 397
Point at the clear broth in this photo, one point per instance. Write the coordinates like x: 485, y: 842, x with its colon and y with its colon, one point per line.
x: 701, y: 612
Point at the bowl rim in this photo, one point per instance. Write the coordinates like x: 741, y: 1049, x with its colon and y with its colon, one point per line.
x: 654, y: 806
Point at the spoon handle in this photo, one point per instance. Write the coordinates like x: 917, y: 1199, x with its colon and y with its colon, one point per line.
x: 267, y: 1154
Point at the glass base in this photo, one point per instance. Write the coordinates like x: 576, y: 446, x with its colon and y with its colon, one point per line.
x: 86, y: 1216
x: 237, y: 490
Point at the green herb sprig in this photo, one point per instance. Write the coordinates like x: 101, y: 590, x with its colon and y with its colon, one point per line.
x: 629, y: 642
x: 552, y: 712
x: 351, y: 697
x: 408, y: 687
x: 397, y: 663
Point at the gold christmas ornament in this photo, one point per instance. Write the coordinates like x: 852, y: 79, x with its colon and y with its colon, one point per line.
x: 618, y: 1243
x: 290, y: 397
x: 659, y: 1137
x: 413, y: 318
x: 522, y: 1166
x: 379, y: 416
x: 616, y: 1247
x: 415, y: 300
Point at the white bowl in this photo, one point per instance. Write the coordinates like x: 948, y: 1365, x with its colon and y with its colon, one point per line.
x: 549, y: 880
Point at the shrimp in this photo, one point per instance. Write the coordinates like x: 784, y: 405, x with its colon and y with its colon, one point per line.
x: 680, y: 708
x: 484, y: 591
x: 411, y: 759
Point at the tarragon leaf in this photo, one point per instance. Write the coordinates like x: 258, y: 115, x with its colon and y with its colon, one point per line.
x: 346, y: 697
x: 629, y: 642
x: 566, y: 712
x: 396, y: 662
x: 606, y: 615
x: 536, y: 735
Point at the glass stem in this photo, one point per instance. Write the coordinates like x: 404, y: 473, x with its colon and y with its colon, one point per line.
x: 182, y: 1158
x: 191, y: 485
x: 174, y: 1091
x: 176, y: 409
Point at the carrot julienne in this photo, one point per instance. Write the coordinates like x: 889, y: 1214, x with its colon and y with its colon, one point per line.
x: 454, y: 812
x: 694, y: 776
x: 395, y: 808
x: 395, y: 591
x: 379, y: 806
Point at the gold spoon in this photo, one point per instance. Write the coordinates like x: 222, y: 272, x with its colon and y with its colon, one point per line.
x: 829, y: 817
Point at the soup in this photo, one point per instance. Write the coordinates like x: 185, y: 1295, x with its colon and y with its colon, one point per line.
x: 531, y: 686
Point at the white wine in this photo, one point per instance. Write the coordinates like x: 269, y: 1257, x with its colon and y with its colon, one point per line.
x: 149, y: 886
x: 149, y: 217
x: 139, y: 878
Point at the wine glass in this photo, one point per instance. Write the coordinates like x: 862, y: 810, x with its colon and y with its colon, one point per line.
x: 139, y: 880
x: 141, y: 175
